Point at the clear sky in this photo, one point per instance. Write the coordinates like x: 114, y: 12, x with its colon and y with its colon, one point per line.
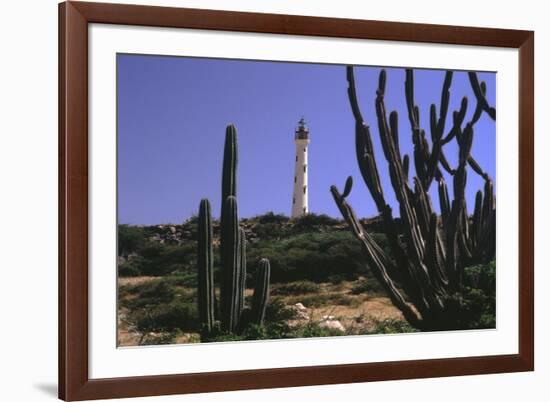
x: 172, y: 114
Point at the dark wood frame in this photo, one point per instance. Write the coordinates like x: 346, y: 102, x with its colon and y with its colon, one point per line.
x: 74, y: 383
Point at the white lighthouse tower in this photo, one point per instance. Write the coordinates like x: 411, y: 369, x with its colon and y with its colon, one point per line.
x: 299, y: 195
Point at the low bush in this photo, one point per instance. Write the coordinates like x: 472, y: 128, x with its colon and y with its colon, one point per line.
x: 314, y: 330
x: 129, y: 269
x: 366, y: 286
x: 310, y: 256
x: 311, y: 220
x: 392, y: 326
x: 271, y: 217
x: 294, y: 288
x: 176, y: 315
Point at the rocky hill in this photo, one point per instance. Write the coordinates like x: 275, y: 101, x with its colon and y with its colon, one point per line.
x: 268, y: 226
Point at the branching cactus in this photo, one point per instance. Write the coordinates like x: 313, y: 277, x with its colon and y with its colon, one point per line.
x: 205, y: 262
x: 261, y: 292
x: 232, y: 251
x: 428, y: 253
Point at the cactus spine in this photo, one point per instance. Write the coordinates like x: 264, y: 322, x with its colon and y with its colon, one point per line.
x: 205, y: 263
x: 261, y: 292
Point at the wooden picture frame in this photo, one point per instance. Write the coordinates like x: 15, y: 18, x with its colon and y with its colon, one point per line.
x: 74, y: 381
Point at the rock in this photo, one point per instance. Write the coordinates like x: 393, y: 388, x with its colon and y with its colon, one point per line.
x: 172, y: 229
x: 332, y: 324
x: 300, y: 312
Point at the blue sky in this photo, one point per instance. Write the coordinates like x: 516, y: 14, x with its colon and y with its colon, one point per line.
x: 172, y: 114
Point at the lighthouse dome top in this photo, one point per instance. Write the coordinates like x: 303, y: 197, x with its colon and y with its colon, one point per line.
x: 302, y: 132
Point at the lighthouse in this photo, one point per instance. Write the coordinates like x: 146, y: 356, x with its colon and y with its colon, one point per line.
x: 299, y: 195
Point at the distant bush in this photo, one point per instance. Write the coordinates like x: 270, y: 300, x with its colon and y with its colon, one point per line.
x: 271, y: 217
x: 366, y: 286
x: 313, y: 300
x: 311, y: 220
x: 175, y: 315
x: 161, y: 259
x: 310, y: 256
x: 297, y: 251
x: 130, y: 239
x: 129, y: 268
x: 294, y: 288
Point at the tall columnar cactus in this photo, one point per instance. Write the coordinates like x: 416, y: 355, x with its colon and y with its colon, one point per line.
x: 230, y: 237
x: 429, y: 252
x: 229, y: 170
x: 205, y: 263
x: 261, y: 292
x: 231, y: 266
x: 232, y: 250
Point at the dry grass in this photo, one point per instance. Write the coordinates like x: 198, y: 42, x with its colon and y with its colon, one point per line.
x: 358, y: 313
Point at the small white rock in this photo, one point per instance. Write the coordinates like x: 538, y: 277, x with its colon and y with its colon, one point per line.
x: 332, y: 324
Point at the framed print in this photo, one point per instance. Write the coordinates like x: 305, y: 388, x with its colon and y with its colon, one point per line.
x: 259, y: 200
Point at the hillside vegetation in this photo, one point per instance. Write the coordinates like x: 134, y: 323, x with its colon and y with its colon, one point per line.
x: 320, y: 286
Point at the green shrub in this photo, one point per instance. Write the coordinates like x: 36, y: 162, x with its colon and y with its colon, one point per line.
x: 278, y: 311
x: 310, y: 256
x: 311, y: 220
x: 313, y: 330
x: 294, y: 288
x: 130, y: 239
x: 270, y: 217
x: 175, y: 315
x: 311, y: 300
x: 339, y: 299
x: 392, y: 326
x: 164, y: 338
x: 161, y: 259
x: 129, y: 269
x: 366, y: 286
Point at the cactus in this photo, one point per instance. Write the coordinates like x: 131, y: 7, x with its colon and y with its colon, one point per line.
x: 229, y: 171
x: 231, y: 265
x: 232, y: 251
x: 261, y: 292
x: 429, y: 252
x: 242, y: 276
x: 205, y: 264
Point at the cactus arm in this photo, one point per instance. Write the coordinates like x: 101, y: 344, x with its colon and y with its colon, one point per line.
x: 242, y: 273
x: 444, y: 204
x: 376, y: 259
x: 205, y: 263
x: 480, y: 95
x: 363, y: 146
x: 261, y: 292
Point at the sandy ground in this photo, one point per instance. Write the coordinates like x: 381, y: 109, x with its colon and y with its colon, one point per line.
x: 363, y: 312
